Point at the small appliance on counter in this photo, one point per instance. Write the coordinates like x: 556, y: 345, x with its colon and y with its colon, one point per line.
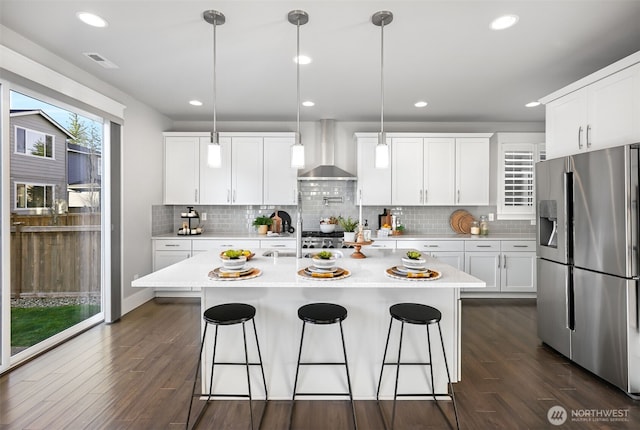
x: 187, y: 228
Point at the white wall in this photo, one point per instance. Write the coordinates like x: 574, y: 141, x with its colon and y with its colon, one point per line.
x: 141, y: 164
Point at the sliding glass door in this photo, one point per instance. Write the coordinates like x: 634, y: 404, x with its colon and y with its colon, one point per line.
x: 56, y: 214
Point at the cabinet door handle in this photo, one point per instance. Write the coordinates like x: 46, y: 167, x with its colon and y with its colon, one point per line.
x: 228, y: 195
x: 196, y: 194
x: 589, y: 136
x: 458, y: 196
x: 425, y: 196
x: 234, y: 196
x: 498, y: 261
x: 504, y: 261
x: 421, y: 201
x: 580, y: 137
x: 293, y: 197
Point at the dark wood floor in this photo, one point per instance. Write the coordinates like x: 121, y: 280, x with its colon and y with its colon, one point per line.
x: 137, y: 374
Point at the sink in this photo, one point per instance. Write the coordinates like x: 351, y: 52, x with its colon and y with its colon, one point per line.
x: 290, y: 253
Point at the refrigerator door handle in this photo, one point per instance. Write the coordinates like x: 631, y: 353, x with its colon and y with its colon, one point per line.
x: 570, y: 302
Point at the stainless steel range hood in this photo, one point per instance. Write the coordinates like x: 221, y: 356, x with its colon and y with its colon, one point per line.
x: 327, y: 170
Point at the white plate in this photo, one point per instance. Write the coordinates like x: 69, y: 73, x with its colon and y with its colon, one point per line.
x: 404, y: 269
x: 242, y: 270
x: 322, y: 270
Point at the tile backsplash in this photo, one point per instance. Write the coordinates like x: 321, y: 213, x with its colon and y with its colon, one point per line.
x: 321, y: 199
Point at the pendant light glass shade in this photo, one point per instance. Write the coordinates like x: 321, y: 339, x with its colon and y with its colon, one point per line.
x: 297, y: 154
x: 214, y: 151
x: 298, y: 18
x: 382, y: 152
x: 381, y: 19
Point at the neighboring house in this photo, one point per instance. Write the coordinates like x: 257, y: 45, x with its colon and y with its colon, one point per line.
x: 84, y: 175
x: 38, y: 161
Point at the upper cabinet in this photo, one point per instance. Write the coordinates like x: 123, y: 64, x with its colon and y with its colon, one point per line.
x: 440, y: 170
x: 255, y: 170
x: 374, y: 185
x: 280, y: 185
x: 600, y: 111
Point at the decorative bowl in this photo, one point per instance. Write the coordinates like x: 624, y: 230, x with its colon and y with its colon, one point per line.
x: 411, y: 263
x: 324, y: 263
x: 327, y: 228
x: 233, y: 263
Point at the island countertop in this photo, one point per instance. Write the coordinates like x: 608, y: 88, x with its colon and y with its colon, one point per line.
x: 282, y: 272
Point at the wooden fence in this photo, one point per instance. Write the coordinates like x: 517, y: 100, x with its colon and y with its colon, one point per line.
x: 55, y: 260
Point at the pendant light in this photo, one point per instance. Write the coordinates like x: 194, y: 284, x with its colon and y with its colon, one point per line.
x: 298, y: 18
x: 381, y: 19
x: 214, y: 151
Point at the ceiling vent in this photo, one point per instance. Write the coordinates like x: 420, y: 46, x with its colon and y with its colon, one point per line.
x: 99, y: 59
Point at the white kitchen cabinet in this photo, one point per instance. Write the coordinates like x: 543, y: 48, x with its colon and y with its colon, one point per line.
x: 280, y: 185
x: 374, y: 185
x: 602, y: 114
x: 407, y: 170
x: 181, y: 170
x: 450, y: 252
x: 278, y: 244
x: 505, y: 266
x: 381, y: 244
x: 169, y: 251
x: 440, y: 171
x: 204, y: 245
x: 518, y: 266
x: 472, y: 171
x: 248, y: 175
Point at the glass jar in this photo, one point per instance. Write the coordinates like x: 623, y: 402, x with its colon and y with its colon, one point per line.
x: 484, y: 225
x: 475, y: 228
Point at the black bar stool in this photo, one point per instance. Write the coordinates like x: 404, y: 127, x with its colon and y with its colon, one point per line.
x: 221, y: 315
x: 322, y: 313
x: 414, y: 313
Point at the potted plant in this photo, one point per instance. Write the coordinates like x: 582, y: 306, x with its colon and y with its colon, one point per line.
x: 263, y: 223
x: 349, y: 226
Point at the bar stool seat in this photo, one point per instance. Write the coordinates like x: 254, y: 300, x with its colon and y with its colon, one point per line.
x: 322, y: 314
x: 226, y: 315
x: 417, y: 314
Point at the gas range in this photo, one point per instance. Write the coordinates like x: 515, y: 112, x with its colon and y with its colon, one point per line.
x: 317, y: 239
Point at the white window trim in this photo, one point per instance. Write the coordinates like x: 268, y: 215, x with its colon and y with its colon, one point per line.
x: 39, y: 157
x: 33, y: 184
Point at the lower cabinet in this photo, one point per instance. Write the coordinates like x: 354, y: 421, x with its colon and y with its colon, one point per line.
x: 204, y: 245
x: 450, y: 252
x: 505, y: 266
x: 169, y: 251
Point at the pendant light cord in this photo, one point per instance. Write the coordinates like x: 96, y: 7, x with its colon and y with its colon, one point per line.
x: 298, y: 71
x: 382, y: 77
x: 214, y: 76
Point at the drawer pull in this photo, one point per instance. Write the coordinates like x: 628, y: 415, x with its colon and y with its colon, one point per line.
x: 520, y: 246
x: 432, y: 246
x: 281, y: 245
x: 483, y: 246
x: 172, y: 244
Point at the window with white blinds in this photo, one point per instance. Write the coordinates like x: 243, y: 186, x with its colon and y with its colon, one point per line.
x: 516, y: 179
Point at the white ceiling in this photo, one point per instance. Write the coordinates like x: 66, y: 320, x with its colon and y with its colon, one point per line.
x: 439, y: 51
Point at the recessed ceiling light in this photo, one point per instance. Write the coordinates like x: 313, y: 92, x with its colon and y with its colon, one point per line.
x: 302, y: 59
x: 91, y: 19
x: 308, y: 103
x: 195, y: 102
x: 504, y: 21
x: 420, y: 104
x: 532, y: 104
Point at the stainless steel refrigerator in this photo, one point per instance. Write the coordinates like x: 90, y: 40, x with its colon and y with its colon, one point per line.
x: 588, y: 262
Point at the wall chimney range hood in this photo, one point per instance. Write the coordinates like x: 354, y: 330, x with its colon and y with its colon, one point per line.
x: 327, y: 170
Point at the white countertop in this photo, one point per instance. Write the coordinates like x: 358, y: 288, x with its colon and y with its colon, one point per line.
x: 282, y: 273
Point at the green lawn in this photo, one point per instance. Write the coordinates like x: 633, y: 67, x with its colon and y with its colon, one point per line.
x: 32, y: 325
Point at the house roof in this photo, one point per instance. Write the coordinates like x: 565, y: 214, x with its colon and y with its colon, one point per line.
x: 25, y: 112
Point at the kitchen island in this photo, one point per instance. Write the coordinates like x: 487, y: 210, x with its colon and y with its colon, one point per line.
x: 367, y: 293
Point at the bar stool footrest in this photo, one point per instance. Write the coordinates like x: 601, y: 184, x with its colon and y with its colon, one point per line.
x: 322, y: 394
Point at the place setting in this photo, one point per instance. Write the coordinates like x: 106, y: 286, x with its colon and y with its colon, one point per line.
x: 234, y: 266
x: 324, y: 268
x: 413, y: 268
